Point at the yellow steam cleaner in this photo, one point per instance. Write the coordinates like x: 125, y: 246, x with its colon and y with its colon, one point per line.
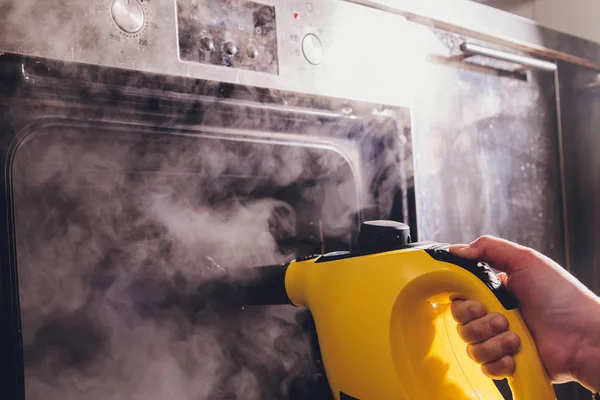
x: 383, y: 319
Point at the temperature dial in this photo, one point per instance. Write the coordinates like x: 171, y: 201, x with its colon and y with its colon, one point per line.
x: 128, y: 15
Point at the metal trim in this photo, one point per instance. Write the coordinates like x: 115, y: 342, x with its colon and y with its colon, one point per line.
x: 563, y: 179
x: 472, y: 49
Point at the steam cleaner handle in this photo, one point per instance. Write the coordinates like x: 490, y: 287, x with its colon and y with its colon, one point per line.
x: 530, y: 379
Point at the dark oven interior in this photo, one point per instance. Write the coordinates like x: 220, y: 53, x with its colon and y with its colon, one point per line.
x: 126, y: 190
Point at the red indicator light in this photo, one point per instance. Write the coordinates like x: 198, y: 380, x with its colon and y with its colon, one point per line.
x: 296, y: 15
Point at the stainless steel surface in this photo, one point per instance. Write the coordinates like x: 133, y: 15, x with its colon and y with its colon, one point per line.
x: 128, y: 15
x: 472, y: 49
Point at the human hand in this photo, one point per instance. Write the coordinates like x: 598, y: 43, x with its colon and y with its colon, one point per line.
x: 490, y: 343
x: 561, y: 313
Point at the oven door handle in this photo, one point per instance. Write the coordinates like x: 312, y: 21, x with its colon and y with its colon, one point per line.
x: 527, y: 62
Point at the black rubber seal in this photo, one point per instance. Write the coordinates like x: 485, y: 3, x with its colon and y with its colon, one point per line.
x: 481, y: 271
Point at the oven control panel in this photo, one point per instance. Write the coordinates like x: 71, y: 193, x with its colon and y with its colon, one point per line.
x: 324, y: 47
x: 232, y: 33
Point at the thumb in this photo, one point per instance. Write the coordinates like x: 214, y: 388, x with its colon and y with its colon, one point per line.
x: 501, y: 254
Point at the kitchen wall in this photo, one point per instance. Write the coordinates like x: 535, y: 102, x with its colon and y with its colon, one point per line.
x: 575, y: 17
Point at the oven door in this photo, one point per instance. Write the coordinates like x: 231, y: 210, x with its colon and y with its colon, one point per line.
x: 487, y: 145
x: 124, y: 190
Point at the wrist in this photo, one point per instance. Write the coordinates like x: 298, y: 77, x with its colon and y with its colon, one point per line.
x: 587, y: 359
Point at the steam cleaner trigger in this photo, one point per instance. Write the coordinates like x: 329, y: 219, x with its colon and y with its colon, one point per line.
x: 383, y: 320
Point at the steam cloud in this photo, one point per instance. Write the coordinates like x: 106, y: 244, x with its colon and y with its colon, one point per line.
x: 110, y: 224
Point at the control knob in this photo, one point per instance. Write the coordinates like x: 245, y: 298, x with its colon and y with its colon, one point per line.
x: 312, y: 49
x: 207, y: 44
x: 128, y: 15
x: 252, y: 51
x: 230, y: 49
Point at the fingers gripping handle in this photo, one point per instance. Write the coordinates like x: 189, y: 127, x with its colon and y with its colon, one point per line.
x: 530, y: 379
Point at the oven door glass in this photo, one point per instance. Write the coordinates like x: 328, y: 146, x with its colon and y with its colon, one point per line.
x: 125, y: 198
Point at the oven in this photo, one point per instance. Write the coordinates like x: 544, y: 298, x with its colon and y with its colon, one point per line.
x: 149, y: 145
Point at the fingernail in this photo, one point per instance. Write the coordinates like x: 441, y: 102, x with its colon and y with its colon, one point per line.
x: 510, y: 343
x: 475, y: 312
x: 498, y: 324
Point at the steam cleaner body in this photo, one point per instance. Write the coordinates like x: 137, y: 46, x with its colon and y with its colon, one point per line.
x: 383, y: 319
